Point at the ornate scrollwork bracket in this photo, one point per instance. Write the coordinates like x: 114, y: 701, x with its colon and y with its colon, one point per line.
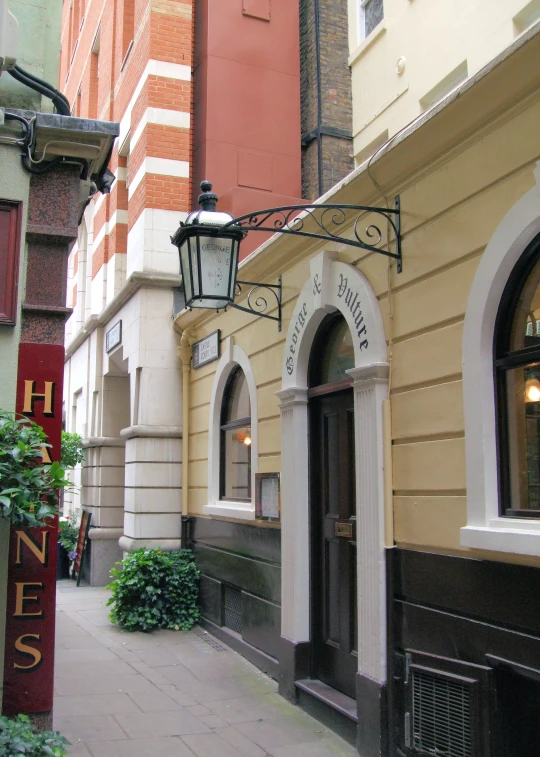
x: 326, y: 221
x: 257, y: 302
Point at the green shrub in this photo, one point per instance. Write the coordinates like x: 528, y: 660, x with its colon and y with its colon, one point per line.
x: 28, y: 488
x: 155, y: 589
x: 18, y: 737
x: 72, y: 451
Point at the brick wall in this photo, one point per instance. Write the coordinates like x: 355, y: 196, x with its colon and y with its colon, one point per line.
x: 336, y: 158
x: 106, y: 48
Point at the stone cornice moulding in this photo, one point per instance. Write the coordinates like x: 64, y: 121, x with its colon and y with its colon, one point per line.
x: 151, y: 432
x: 102, y: 441
x: 136, y: 281
x: 375, y: 373
x: 105, y: 534
x: 128, y: 544
x: 293, y: 395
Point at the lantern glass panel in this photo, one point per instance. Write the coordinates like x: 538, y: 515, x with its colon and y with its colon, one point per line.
x: 187, y: 275
x: 217, y: 263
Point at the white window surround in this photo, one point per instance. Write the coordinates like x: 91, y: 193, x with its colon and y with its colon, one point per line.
x: 485, y: 528
x: 233, y: 356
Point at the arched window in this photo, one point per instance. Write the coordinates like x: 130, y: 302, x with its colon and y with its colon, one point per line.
x: 517, y: 367
x: 235, y: 442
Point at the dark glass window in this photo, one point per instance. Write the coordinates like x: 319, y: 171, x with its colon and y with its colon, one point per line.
x: 334, y: 355
x: 517, y: 361
x: 373, y: 14
x: 235, y: 472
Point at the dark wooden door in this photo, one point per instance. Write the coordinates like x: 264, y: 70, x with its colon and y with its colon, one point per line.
x: 333, y: 528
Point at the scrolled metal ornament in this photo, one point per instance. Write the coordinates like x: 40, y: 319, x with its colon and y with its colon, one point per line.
x: 329, y: 220
x: 260, y: 305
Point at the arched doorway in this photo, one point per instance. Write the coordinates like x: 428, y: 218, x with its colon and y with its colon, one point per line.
x: 334, y: 627
x: 311, y: 654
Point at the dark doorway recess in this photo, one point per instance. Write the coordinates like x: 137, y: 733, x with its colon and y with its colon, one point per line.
x: 333, y: 510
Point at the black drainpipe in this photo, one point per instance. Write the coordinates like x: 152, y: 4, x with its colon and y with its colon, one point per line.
x: 319, y: 97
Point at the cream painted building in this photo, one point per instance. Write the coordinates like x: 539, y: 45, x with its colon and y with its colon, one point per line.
x: 406, y: 55
x: 396, y: 595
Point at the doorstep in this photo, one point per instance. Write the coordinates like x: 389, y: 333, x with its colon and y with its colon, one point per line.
x: 331, y: 707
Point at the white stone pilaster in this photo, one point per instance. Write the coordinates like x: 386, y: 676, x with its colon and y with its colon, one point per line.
x: 370, y: 389
x: 295, y: 619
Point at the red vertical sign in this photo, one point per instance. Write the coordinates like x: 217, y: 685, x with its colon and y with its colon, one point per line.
x: 31, y: 595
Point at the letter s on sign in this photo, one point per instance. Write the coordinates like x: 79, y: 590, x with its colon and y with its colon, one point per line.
x: 26, y: 649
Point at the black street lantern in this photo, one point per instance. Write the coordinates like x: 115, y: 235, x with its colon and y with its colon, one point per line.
x: 209, y: 241
x: 208, y: 254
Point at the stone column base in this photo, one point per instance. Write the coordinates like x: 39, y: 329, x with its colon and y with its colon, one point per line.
x: 103, y: 552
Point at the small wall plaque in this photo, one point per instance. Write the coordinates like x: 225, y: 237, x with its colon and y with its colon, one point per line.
x: 267, y: 497
x: 113, y: 337
x: 206, y: 350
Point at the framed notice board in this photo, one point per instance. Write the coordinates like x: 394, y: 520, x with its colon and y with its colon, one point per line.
x: 267, y: 496
x: 81, y: 544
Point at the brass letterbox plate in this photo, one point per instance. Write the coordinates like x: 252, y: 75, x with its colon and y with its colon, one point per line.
x: 343, y: 529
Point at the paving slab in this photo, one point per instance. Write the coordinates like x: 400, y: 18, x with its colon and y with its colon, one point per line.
x: 168, y: 693
x: 169, y: 747
x: 244, y: 746
x: 153, y: 724
x: 95, y: 704
x: 89, y: 728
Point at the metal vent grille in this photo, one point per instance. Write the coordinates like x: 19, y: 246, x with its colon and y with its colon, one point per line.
x: 232, y: 609
x: 441, y: 716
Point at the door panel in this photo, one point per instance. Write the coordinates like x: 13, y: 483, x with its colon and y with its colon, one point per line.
x: 333, y: 527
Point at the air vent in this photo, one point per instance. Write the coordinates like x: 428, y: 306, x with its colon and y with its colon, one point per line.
x: 232, y: 609
x: 441, y: 716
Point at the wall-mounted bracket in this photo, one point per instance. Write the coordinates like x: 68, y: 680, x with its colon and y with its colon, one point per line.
x: 260, y: 305
x: 326, y: 221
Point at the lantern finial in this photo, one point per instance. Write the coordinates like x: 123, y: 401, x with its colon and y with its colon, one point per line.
x: 207, y: 200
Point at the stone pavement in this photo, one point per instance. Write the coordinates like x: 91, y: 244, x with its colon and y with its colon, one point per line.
x: 168, y: 694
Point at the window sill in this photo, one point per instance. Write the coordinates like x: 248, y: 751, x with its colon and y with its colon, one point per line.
x: 224, y: 509
x: 516, y: 535
x: 379, y: 30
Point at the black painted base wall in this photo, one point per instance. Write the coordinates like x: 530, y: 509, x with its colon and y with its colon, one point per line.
x: 245, y: 558
x: 475, y: 616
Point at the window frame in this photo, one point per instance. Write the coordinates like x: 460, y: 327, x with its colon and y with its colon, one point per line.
x: 231, y: 426
x: 232, y: 356
x: 362, y: 32
x: 9, y: 262
x: 504, y: 360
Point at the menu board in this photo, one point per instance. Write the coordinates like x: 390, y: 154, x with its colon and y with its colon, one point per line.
x: 81, y: 544
x: 267, y: 501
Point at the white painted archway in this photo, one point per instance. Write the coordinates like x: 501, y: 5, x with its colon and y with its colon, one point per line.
x: 336, y: 286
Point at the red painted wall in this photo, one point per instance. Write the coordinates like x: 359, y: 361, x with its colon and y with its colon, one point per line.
x: 247, y: 137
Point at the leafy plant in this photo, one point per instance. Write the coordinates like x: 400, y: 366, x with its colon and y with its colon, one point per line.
x: 68, y: 534
x: 18, y: 737
x: 72, y: 451
x: 28, y: 487
x: 155, y: 589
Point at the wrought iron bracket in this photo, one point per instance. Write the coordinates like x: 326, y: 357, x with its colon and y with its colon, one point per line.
x: 328, y: 221
x: 260, y: 305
